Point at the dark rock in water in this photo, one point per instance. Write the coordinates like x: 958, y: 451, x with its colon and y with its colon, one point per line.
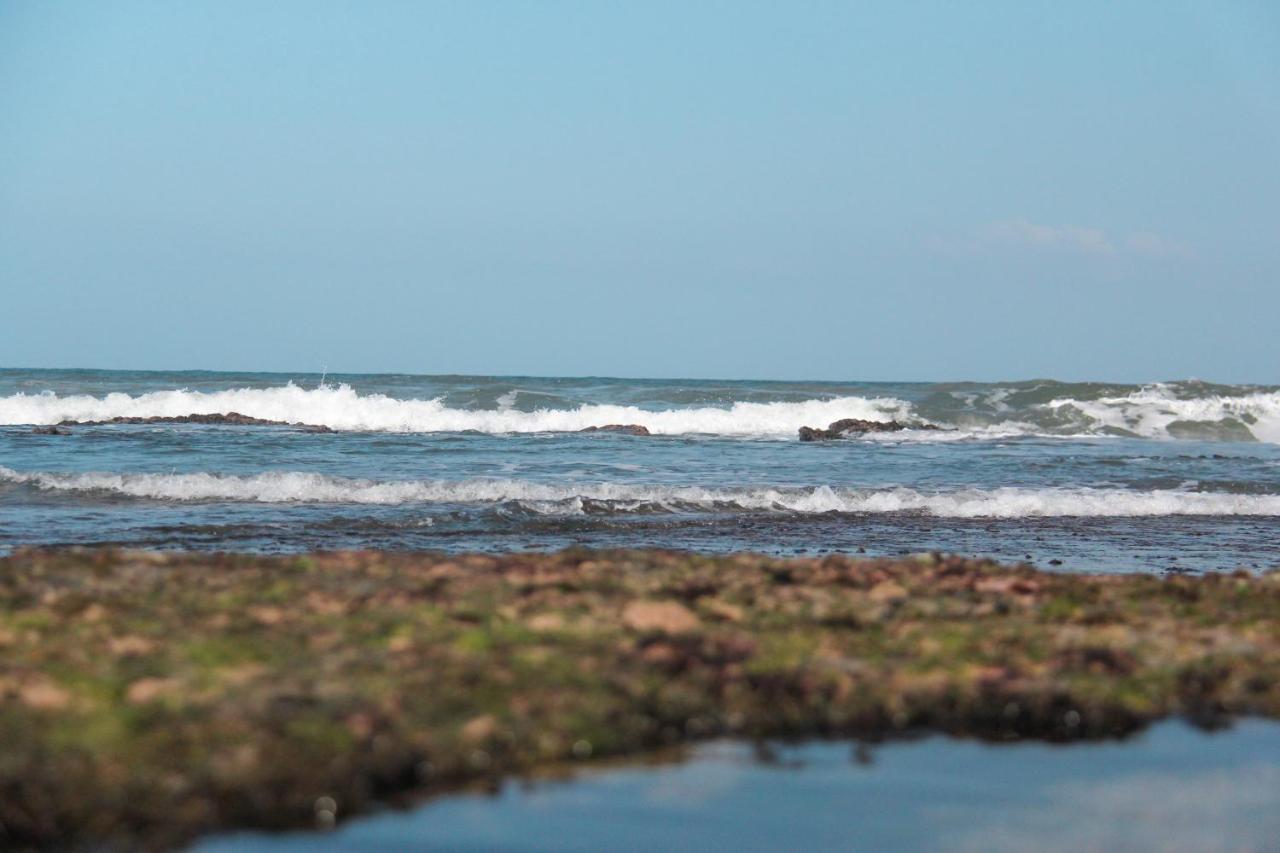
x: 51, y: 430
x: 228, y: 419
x: 625, y: 429
x: 846, y: 427
x: 859, y: 425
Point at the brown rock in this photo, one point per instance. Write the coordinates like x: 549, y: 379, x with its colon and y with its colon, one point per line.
x: 546, y: 622
x: 329, y: 605
x: 130, y: 646
x: 723, y: 610
x: 228, y: 419
x: 666, y: 617
x: 93, y: 613
x: 846, y: 427
x: 625, y: 429
x: 238, y: 676
x: 1007, y: 586
x: 236, y: 763
x: 887, y: 591
x: 662, y: 654
x: 44, y: 695
x: 480, y: 728
x: 146, y: 690
x: 267, y: 615
x: 360, y: 724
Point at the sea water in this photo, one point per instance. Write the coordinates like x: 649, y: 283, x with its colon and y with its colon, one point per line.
x: 1172, y: 476
x: 1172, y: 788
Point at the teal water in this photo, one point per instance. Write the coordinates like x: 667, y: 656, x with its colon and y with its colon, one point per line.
x: 1172, y: 788
x: 1095, y: 476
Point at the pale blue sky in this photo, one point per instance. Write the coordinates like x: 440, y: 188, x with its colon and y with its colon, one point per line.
x: 768, y: 190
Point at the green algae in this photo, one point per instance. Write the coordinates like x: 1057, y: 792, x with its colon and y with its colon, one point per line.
x: 148, y: 698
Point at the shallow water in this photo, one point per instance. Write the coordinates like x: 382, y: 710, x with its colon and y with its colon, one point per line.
x: 1100, y: 477
x: 1171, y: 788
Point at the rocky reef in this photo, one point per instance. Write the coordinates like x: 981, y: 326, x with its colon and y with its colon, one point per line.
x: 237, y: 419
x: 624, y: 429
x: 146, y: 698
x: 227, y: 419
x: 849, y: 427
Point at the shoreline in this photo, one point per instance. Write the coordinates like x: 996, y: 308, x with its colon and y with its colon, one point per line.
x: 149, y: 698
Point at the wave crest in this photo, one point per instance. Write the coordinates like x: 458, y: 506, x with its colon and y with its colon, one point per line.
x: 305, y: 487
x: 1164, y: 410
x: 342, y: 408
x: 1161, y: 411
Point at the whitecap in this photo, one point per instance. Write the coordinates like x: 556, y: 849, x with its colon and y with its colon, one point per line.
x: 308, y: 487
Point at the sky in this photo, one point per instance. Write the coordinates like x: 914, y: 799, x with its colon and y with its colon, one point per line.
x: 870, y: 191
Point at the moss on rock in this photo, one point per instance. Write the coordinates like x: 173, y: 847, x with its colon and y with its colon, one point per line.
x: 146, y: 698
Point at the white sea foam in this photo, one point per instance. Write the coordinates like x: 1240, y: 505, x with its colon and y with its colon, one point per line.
x: 342, y: 408
x: 304, y: 487
x: 1150, y: 410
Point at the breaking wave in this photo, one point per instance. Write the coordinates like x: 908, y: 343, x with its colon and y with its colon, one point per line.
x: 303, y: 487
x: 342, y: 408
x: 1160, y: 411
x: 1177, y: 410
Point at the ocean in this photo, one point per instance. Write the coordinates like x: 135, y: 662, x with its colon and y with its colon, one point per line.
x: 1179, y: 476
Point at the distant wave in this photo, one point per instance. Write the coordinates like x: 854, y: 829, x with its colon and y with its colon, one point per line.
x: 1166, y: 410
x: 1178, y: 410
x: 303, y: 487
x: 1159, y: 411
x: 342, y: 408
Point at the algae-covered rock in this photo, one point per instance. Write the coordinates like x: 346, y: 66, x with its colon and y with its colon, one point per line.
x: 851, y: 427
x: 147, y: 698
x: 624, y: 429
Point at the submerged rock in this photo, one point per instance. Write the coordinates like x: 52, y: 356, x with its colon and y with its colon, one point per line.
x: 846, y: 427
x: 625, y: 429
x: 50, y: 430
x: 228, y: 419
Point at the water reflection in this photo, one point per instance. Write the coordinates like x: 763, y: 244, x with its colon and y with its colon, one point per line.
x: 1172, y: 788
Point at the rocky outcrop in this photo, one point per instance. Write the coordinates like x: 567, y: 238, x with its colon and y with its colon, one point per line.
x: 625, y: 429
x: 50, y: 430
x: 847, y: 427
x: 228, y: 419
x: 336, y: 699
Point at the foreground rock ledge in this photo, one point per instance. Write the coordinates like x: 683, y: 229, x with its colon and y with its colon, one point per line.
x: 148, y: 698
